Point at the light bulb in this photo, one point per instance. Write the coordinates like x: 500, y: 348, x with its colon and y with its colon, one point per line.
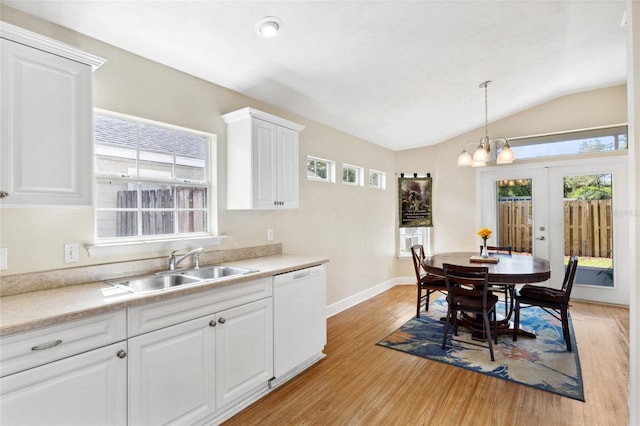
x: 506, y: 155
x: 464, y: 159
x: 480, y: 155
x: 269, y: 29
x: 268, y: 26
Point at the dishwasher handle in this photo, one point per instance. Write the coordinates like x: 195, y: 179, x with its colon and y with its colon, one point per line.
x: 301, y: 274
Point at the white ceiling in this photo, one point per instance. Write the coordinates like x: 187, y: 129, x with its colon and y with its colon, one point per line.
x: 401, y: 74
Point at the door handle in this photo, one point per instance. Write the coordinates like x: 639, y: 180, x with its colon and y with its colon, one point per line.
x: 540, y: 238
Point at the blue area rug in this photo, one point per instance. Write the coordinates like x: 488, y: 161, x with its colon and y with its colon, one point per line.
x: 542, y: 363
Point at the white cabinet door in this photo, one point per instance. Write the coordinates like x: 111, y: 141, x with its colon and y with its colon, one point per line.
x: 287, y: 170
x: 46, y: 137
x: 86, y: 389
x: 171, y: 374
x: 265, y: 164
x: 244, y: 350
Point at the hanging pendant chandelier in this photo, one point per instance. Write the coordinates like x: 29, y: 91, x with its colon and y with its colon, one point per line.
x: 481, y: 154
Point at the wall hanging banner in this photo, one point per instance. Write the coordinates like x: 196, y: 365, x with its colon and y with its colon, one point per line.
x: 415, y: 201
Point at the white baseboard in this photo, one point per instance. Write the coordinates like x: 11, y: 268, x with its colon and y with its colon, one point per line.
x: 350, y: 301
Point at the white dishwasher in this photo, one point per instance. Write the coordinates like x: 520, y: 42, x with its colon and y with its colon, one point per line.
x: 299, y: 321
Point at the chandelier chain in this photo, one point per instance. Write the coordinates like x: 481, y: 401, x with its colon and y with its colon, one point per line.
x: 486, y: 108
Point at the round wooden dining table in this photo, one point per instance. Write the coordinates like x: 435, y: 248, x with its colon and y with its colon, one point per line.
x: 508, y: 271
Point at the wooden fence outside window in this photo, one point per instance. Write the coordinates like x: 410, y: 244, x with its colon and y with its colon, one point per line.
x: 587, y: 230
x: 191, y: 214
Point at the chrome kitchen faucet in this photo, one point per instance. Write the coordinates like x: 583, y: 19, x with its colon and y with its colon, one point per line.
x: 195, y: 253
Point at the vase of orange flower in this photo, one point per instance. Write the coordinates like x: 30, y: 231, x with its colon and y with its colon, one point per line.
x: 484, y: 233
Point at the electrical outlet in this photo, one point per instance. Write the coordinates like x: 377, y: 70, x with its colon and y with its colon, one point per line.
x: 3, y: 258
x: 71, y: 252
x: 269, y: 234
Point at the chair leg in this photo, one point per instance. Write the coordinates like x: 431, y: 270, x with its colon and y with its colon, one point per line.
x: 511, y: 290
x: 506, y: 301
x: 565, y: 327
x: 455, y: 322
x: 487, y: 332
x: 495, y: 327
x: 446, y: 328
x: 516, y: 320
x: 418, y: 303
x: 426, y: 303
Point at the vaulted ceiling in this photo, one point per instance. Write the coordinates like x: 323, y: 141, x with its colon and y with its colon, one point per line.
x: 401, y: 74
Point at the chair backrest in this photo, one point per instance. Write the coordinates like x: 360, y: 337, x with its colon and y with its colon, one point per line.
x: 417, y: 253
x: 569, y: 277
x: 468, y: 281
x: 498, y: 249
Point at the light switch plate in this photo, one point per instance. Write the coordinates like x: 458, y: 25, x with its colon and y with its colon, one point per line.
x: 71, y: 253
x: 3, y: 258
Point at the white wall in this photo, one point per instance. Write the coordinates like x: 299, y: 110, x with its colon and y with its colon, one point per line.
x: 350, y: 226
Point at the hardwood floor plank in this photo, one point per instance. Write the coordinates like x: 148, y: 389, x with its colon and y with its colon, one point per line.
x: 360, y: 383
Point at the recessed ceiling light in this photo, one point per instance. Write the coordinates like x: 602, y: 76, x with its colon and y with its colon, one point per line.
x: 268, y: 26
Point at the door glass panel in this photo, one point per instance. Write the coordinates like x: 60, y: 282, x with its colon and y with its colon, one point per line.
x: 588, y: 227
x: 515, y: 215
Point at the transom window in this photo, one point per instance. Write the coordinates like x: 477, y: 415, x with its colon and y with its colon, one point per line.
x: 152, y: 179
x: 320, y: 169
x: 352, y: 175
x: 377, y: 179
x: 571, y: 143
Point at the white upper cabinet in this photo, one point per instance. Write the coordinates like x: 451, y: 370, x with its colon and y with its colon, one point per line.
x: 47, y: 121
x: 262, y: 160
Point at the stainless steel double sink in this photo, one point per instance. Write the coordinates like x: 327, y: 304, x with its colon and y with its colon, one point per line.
x: 168, y: 280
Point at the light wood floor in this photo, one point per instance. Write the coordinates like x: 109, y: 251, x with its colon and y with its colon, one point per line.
x: 360, y: 383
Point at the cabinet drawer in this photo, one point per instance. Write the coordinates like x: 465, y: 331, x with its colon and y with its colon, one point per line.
x: 146, y: 318
x: 26, y: 350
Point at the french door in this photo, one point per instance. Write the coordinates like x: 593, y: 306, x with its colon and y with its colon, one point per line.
x: 556, y: 209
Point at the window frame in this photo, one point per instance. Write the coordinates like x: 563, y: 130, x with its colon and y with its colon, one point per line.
x: 558, y: 137
x: 419, y: 235
x: 359, y: 174
x: 331, y: 169
x: 382, y: 179
x: 208, y: 210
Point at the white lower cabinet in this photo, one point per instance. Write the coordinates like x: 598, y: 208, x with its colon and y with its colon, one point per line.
x: 171, y: 374
x: 185, y: 373
x: 85, y: 389
x: 196, y: 359
x: 244, y: 350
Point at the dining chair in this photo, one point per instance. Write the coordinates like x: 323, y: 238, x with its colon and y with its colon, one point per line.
x: 553, y: 301
x: 468, y: 293
x: 507, y: 290
x: 427, y: 283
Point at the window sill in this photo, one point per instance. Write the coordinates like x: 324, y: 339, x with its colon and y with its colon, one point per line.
x: 138, y: 247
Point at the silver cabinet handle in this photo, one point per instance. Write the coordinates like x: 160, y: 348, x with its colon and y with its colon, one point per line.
x: 212, y: 324
x: 540, y: 238
x: 122, y: 353
x: 222, y: 320
x: 46, y: 345
x: 4, y: 194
